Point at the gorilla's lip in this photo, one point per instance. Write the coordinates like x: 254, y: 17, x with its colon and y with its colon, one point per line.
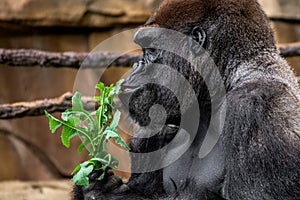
x: 172, y: 125
x: 127, y: 88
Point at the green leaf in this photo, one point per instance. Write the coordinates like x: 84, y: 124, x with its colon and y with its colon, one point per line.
x: 69, y: 128
x: 84, y: 144
x: 113, y: 125
x: 66, y: 115
x: 77, y: 102
x: 121, y: 142
x: 81, y: 148
x: 79, y: 117
x: 106, y: 100
x: 97, y: 98
x: 76, y: 169
x: 100, y: 86
x: 117, y: 88
x: 112, y: 134
x: 95, y: 160
x: 54, y: 123
x: 67, y: 134
x: 81, y: 177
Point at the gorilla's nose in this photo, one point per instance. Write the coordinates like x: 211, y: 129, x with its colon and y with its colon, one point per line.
x: 144, y: 36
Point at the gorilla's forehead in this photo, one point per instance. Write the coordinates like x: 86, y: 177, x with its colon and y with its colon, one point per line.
x: 178, y: 13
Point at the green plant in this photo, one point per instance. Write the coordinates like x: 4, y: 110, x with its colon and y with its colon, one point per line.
x: 94, y: 128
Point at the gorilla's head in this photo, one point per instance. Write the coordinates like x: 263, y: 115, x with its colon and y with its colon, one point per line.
x: 193, y: 42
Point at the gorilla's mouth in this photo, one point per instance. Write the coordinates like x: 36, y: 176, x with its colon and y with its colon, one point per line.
x: 122, y: 102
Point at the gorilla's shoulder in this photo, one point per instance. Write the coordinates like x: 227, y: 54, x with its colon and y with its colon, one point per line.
x: 263, y: 71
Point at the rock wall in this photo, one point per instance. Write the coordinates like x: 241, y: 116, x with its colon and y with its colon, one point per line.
x: 28, y: 150
x: 282, y: 9
x: 75, y: 13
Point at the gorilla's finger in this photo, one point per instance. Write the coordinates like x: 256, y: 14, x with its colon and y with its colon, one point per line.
x: 95, y: 175
x: 123, y: 189
x: 112, y: 183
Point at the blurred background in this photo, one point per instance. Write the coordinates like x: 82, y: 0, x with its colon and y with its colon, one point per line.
x: 28, y: 152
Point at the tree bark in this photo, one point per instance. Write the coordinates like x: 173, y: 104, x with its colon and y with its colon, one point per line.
x: 290, y: 50
x: 37, y: 108
x: 30, y: 57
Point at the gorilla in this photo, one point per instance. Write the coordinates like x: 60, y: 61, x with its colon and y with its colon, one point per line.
x: 255, y: 120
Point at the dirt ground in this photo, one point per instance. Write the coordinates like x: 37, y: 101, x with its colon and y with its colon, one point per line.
x: 48, y: 190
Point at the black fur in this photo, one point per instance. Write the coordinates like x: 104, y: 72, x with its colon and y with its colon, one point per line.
x: 258, y: 153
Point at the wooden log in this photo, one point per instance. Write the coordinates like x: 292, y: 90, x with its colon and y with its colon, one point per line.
x: 30, y: 57
x: 290, y: 50
x: 37, y: 108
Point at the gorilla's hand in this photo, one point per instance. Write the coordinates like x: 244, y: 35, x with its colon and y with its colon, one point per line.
x: 110, y: 185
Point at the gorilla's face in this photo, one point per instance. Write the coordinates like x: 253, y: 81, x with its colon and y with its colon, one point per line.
x: 162, y: 77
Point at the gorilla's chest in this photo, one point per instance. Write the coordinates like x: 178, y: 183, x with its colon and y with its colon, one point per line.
x: 190, y: 169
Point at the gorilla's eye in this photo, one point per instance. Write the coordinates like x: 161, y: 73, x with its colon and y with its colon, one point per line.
x: 151, y: 54
x: 151, y: 50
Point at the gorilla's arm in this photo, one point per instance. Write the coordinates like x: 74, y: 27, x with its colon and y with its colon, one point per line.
x: 149, y: 185
x: 261, y: 142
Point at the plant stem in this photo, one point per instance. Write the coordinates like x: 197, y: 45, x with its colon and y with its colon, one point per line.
x: 101, y: 109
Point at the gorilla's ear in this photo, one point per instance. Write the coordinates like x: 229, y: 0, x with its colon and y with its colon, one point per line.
x: 198, y: 35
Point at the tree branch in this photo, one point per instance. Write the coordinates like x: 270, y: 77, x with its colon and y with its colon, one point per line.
x: 290, y: 50
x: 30, y: 57
x: 37, y: 108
